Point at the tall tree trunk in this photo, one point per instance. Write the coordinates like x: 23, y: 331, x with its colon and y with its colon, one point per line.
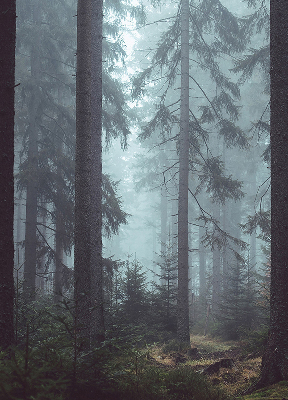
x: 182, y: 300
x: 174, y: 223
x: 202, y: 265
x: 275, y: 359
x: 88, y: 175
x: 96, y: 172
x: 7, y: 83
x: 59, y: 251
x: 82, y: 267
x: 226, y: 226
x: 253, y: 256
x: 216, y: 271
x: 29, y: 287
x: 163, y: 235
x: 59, y: 226
x: 40, y: 277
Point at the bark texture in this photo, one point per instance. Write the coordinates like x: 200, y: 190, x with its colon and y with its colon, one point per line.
x: 82, y: 270
x: 275, y: 359
x: 182, y: 301
x: 88, y: 173
x: 7, y: 83
x: 96, y: 178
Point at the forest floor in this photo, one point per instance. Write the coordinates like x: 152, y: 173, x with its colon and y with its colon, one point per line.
x: 233, y: 376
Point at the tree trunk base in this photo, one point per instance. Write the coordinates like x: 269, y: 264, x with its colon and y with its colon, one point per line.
x: 274, y: 368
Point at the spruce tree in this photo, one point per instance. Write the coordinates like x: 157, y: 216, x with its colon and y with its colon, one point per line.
x: 218, y: 111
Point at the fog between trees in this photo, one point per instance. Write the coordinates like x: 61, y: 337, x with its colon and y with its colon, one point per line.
x: 225, y: 80
x: 162, y: 111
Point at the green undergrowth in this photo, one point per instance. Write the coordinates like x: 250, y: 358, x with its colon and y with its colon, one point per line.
x: 278, y: 391
x: 103, y: 374
x: 50, y: 363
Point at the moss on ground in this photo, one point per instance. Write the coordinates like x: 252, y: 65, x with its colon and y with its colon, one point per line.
x: 278, y: 391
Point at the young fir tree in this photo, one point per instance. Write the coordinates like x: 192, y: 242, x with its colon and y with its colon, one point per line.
x: 7, y: 85
x: 164, y: 302
x: 133, y: 294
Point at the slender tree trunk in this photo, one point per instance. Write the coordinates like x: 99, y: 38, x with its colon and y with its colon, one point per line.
x: 19, y: 235
x: 29, y: 287
x: 40, y: 278
x: 202, y: 265
x: 163, y: 235
x: 59, y: 226
x: 59, y: 251
x: 190, y: 284
x: 226, y: 253
x: 182, y: 300
x: 216, y: 278
x: 253, y: 257
x: 96, y: 172
x: 163, y: 219
x: 174, y: 225
x: 275, y: 359
x: 7, y: 83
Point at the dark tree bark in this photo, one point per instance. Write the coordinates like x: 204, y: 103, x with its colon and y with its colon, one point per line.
x: 96, y: 173
x: 182, y: 300
x: 275, y: 359
x: 88, y: 215
x: 7, y: 83
x: 82, y: 268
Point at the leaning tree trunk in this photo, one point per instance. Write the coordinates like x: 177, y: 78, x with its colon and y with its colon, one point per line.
x: 7, y: 83
x: 275, y: 359
x: 88, y: 237
x: 182, y: 300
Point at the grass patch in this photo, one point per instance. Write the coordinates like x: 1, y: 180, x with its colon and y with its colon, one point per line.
x: 210, y: 345
x: 273, y: 392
